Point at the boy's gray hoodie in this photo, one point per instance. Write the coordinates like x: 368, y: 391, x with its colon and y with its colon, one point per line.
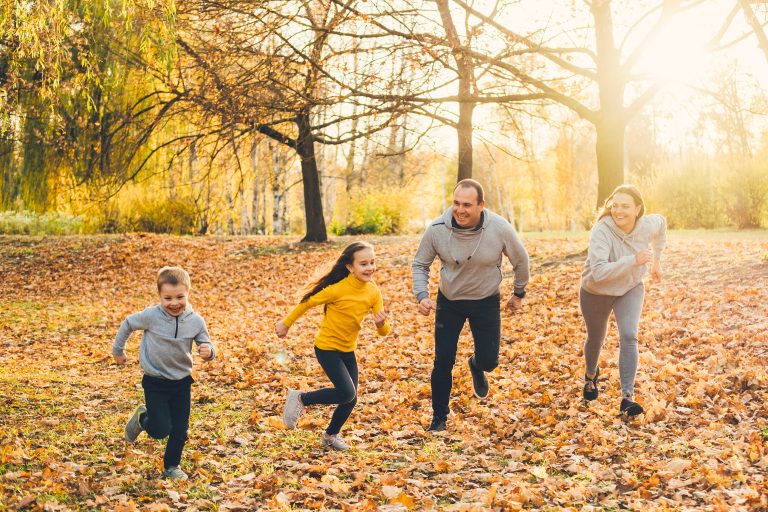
x: 611, y: 268
x: 470, y: 259
x: 166, y: 345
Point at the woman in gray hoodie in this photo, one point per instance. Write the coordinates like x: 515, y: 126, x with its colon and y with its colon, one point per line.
x: 622, y: 244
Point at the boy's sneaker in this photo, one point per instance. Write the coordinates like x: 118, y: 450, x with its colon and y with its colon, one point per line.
x: 174, y: 473
x: 437, y: 425
x: 479, y: 380
x: 334, y: 442
x: 293, y: 408
x: 133, y: 428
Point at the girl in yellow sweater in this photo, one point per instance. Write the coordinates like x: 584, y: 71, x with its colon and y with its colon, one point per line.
x: 348, y: 293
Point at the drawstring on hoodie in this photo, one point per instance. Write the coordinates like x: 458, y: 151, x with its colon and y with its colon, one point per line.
x: 479, y: 241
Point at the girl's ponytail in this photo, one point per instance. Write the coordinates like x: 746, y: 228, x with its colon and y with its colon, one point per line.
x: 339, y: 270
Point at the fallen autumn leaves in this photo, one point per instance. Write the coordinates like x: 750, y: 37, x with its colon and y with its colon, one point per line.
x: 702, y: 444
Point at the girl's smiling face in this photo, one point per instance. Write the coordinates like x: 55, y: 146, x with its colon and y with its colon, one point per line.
x: 173, y: 298
x: 363, y: 265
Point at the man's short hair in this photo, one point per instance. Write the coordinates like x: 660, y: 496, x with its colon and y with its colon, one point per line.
x: 473, y: 184
x: 173, y: 276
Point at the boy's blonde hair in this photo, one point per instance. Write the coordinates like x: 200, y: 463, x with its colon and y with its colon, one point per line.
x: 173, y: 276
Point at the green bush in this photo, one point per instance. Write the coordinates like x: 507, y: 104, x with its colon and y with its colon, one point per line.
x: 375, y: 214
x: 30, y: 223
x: 176, y: 216
x: 689, y: 200
x: 746, y: 195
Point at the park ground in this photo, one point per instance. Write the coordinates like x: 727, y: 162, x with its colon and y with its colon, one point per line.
x: 702, y: 444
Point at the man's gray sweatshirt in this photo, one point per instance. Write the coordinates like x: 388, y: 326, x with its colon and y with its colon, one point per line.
x: 611, y: 267
x: 166, y: 345
x: 470, y: 259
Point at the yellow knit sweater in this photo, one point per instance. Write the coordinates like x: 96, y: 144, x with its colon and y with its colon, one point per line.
x: 349, y: 301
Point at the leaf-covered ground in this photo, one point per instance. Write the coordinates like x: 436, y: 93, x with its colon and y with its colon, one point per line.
x: 533, y: 444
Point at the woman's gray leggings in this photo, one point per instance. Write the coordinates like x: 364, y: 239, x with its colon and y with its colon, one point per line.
x: 626, y: 308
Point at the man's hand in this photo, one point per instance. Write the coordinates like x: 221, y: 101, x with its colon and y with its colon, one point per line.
x: 656, y: 273
x: 515, y: 303
x: 119, y: 359
x: 426, y: 306
x: 281, y: 329
x: 380, y: 318
x: 205, y: 351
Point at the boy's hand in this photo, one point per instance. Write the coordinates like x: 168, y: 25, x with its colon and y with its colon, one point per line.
x: 119, y: 359
x: 205, y: 351
x: 380, y: 318
x: 281, y: 329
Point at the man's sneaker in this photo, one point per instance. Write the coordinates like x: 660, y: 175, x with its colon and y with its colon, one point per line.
x: 630, y: 408
x: 437, y: 425
x: 479, y: 380
x: 133, y: 428
x: 334, y: 442
x: 293, y: 408
x: 175, y: 473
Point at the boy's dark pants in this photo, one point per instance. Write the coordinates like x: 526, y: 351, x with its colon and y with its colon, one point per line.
x: 168, y: 405
x: 484, y: 317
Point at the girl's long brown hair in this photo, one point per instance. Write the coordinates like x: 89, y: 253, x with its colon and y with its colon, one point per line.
x: 630, y: 190
x: 339, y: 270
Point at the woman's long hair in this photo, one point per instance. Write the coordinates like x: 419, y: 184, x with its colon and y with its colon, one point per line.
x: 630, y: 190
x: 339, y: 270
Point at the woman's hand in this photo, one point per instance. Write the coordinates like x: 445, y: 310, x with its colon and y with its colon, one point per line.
x: 281, y: 329
x: 656, y: 272
x: 644, y: 257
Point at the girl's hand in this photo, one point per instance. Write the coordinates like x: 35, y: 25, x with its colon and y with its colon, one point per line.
x: 205, y: 351
x: 643, y: 257
x: 119, y: 359
x: 656, y: 272
x: 281, y: 329
x: 380, y: 318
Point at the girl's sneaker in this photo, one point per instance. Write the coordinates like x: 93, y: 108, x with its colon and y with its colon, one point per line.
x: 334, y: 442
x: 133, y: 428
x: 293, y: 408
x: 175, y: 473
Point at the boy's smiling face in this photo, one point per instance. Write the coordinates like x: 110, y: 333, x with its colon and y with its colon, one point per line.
x: 173, y: 298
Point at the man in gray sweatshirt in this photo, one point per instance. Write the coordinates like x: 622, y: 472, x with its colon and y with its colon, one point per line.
x: 470, y: 242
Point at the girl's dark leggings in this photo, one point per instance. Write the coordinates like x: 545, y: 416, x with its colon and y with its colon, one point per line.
x: 341, y: 369
x: 168, y: 405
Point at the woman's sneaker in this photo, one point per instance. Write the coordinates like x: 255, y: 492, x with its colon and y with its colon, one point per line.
x: 334, y: 442
x: 630, y: 408
x: 590, y: 387
x: 133, y: 428
x: 293, y: 408
x: 175, y: 473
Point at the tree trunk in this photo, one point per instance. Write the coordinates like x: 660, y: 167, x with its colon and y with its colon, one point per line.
x: 313, y: 202
x: 610, y: 157
x: 254, y: 157
x: 612, y: 119
x: 464, y: 69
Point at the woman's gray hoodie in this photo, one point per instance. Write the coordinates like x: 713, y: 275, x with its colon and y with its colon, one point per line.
x: 166, y: 345
x: 470, y: 259
x: 611, y: 268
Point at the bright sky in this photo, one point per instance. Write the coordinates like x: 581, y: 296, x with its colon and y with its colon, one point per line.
x: 678, y: 55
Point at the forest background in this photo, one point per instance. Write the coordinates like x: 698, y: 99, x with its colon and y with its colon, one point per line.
x: 252, y: 117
